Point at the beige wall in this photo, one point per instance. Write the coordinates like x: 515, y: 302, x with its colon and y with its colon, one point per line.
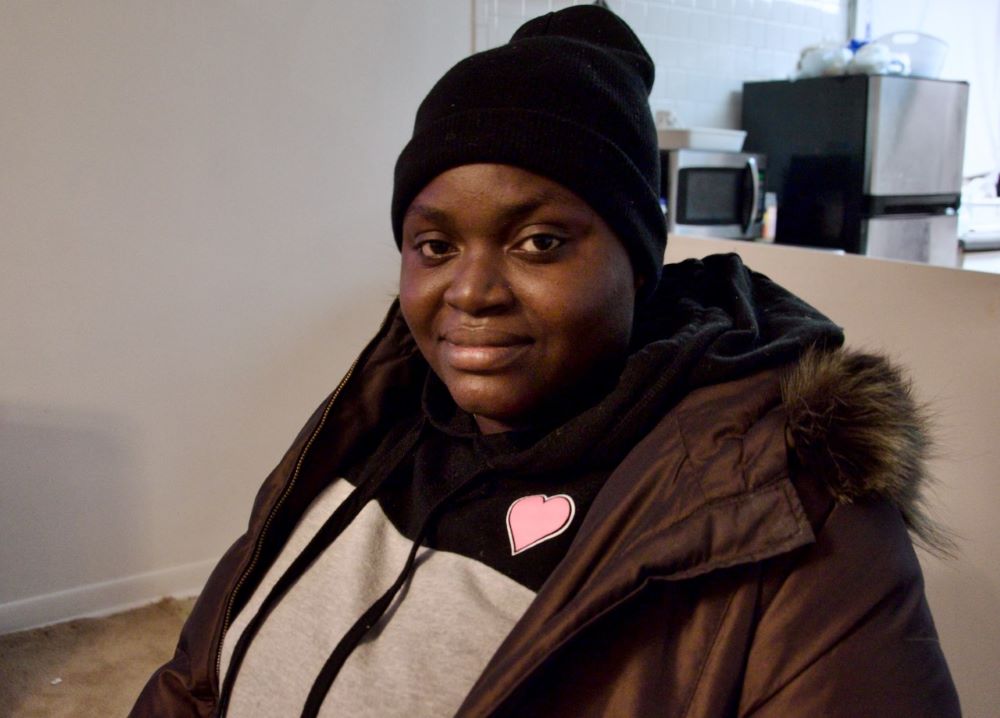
x: 195, y: 244
x: 944, y: 326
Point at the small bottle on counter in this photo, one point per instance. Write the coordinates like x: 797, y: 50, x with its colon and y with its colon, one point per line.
x: 769, y: 222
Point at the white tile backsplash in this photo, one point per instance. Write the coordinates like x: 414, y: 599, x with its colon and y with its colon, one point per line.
x: 703, y: 49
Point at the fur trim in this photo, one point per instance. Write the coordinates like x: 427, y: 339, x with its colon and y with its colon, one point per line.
x: 853, y: 421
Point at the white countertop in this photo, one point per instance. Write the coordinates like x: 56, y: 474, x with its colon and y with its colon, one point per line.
x: 982, y: 261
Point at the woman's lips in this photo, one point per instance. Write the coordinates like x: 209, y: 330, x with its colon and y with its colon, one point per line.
x: 481, y: 350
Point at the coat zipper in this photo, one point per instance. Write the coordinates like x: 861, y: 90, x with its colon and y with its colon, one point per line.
x: 259, y: 544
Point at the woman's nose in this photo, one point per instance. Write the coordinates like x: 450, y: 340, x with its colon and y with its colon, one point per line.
x: 478, y: 284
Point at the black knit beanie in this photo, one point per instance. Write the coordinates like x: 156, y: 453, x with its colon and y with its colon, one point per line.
x: 566, y: 98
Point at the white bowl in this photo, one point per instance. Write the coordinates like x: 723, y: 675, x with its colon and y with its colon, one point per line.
x: 926, y: 52
x: 701, y: 138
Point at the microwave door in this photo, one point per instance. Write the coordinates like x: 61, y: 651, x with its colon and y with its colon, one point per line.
x: 715, y: 194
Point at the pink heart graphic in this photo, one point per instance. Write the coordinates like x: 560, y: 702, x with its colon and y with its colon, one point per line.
x: 534, y: 519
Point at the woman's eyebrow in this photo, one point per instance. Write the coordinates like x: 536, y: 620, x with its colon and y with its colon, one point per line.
x: 504, y: 213
x: 524, y: 208
x: 432, y: 214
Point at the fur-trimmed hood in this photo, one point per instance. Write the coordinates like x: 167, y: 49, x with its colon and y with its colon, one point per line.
x: 853, y: 421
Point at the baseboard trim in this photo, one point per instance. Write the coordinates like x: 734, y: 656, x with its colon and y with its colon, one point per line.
x: 102, y: 599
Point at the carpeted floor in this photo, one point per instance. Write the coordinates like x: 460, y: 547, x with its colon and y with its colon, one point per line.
x: 87, y: 667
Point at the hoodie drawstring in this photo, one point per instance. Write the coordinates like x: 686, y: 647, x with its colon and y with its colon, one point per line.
x: 342, y: 517
x: 369, y: 618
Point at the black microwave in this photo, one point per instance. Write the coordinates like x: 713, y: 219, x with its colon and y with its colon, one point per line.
x: 713, y: 193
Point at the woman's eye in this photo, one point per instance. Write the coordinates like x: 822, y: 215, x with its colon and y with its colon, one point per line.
x: 539, y: 243
x: 434, y: 248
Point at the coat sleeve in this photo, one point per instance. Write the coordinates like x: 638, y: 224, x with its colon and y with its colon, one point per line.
x: 183, y: 687
x: 172, y: 693
x: 848, y: 631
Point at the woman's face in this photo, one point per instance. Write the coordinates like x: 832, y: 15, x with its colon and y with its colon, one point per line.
x: 516, y: 292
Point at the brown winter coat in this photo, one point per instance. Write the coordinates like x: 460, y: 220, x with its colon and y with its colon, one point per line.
x: 749, y: 557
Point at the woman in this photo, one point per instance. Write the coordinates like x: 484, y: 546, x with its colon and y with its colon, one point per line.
x: 563, y: 480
